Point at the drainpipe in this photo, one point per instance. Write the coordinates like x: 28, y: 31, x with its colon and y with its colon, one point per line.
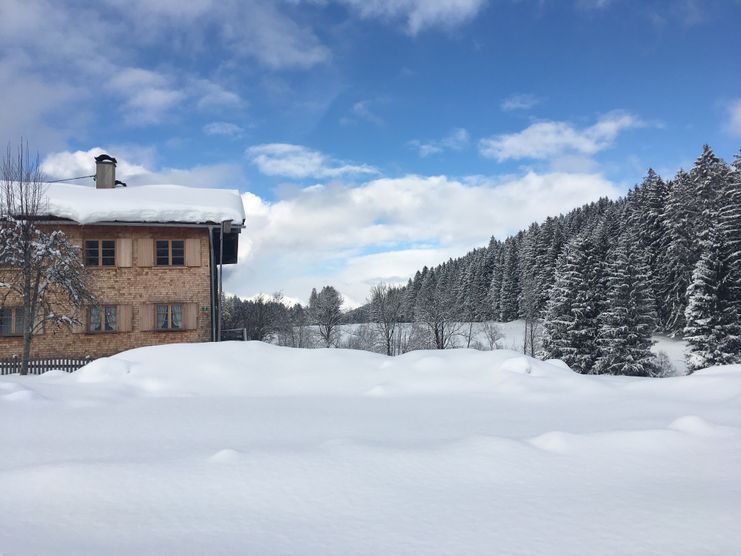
x: 212, y: 282
x: 221, y: 276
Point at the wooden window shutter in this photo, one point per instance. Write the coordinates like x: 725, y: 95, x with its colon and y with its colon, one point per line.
x: 190, y: 316
x: 146, y: 317
x: 193, y: 252
x: 124, y: 317
x: 145, y: 252
x: 124, y: 252
x: 39, y: 326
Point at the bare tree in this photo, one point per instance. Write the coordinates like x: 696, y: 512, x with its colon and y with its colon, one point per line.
x: 412, y: 337
x: 493, y: 334
x: 435, y: 309
x: 41, y: 272
x: 363, y: 337
x: 324, y: 308
x: 386, y: 312
x: 530, y: 311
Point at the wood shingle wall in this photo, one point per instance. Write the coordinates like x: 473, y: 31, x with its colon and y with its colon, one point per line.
x: 135, y: 285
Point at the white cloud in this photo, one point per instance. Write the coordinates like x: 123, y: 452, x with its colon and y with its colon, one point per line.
x: 419, y: 15
x: 386, y: 229
x: 734, y: 118
x: 519, y: 102
x: 213, y: 96
x: 363, y: 110
x: 69, y: 164
x: 227, y: 129
x: 258, y: 29
x: 296, y: 161
x: 544, y: 140
x: 134, y: 168
x: 593, y: 4
x: 457, y: 140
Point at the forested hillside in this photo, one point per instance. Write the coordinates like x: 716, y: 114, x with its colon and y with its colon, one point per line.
x: 602, y: 278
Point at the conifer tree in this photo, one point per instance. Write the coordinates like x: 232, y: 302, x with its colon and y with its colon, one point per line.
x: 495, y: 288
x: 679, y: 252
x: 570, y: 327
x: 729, y: 225
x: 703, y: 331
x: 510, y: 289
x: 628, y: 319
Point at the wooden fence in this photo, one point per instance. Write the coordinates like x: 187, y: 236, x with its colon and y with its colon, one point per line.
x: 232, y: 334
x: 12, y: 365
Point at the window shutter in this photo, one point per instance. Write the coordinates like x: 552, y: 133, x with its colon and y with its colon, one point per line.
x: 123, y: 318
x: 145, y: 252
x: 193, y: 252
x: 38, y: 324
x: 124, y: 252
x: 146, y: 317
x: 190, y: 316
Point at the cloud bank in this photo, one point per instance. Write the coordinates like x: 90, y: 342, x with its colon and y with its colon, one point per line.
x: 386, y: 229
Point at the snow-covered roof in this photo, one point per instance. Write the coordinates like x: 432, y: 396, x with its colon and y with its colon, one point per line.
x: 144, y: 203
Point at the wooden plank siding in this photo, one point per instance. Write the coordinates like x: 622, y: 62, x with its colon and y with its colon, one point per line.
x: 135, y: 285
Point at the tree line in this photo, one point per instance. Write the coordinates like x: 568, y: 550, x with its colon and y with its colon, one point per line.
x: 602, y: 278
x: 591, y: 285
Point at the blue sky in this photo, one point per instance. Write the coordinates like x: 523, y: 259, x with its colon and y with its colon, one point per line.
x: 371, y: 137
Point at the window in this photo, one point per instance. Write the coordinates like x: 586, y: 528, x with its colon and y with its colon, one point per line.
x: 102, y: 319
x: 11, y: 321
x: 100, y: 252
x: 170, y: 252
x: 169, y: 317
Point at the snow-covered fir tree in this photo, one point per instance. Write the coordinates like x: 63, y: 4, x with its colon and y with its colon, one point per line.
x: 570, y: 328
x: 704, y: 313
x: 628, y: 318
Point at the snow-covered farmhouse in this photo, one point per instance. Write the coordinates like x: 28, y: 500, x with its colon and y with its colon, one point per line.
x: 153, y: 257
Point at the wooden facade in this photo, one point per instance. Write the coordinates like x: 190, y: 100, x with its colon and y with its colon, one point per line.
x: 154, y: 284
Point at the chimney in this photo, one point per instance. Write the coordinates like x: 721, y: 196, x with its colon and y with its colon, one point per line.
x: 105, y: 172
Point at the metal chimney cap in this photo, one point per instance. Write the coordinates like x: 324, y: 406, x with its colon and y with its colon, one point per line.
x: 105, y: 158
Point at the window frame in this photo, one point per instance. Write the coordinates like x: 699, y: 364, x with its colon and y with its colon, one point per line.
x: 14, y: 322
x: 103, y: 319
x: 99, y: 250
x: 169, y: 253
x: 169, y: 309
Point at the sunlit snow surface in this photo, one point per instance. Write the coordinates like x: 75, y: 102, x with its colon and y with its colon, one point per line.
x: 145, y: 203
x: 247, y: 448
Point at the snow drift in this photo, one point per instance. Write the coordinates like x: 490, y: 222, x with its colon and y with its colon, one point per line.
x: 252, y: 448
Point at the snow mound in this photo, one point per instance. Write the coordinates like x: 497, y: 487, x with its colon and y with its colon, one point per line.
x: 555, y: 441
x: 259, y: 369
x: 147, y: 203
x: 227, y: 455
x: 692, y: 424
x: 19, y: 394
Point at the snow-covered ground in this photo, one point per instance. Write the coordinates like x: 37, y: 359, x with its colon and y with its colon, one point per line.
x: 513, y: 337
x: 249, y: 448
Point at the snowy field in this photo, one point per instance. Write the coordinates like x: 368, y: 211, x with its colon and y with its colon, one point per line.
x: 248, y: 448
x: 513, y: 337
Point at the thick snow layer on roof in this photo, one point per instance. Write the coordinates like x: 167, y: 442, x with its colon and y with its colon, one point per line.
x: 145, y: 203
